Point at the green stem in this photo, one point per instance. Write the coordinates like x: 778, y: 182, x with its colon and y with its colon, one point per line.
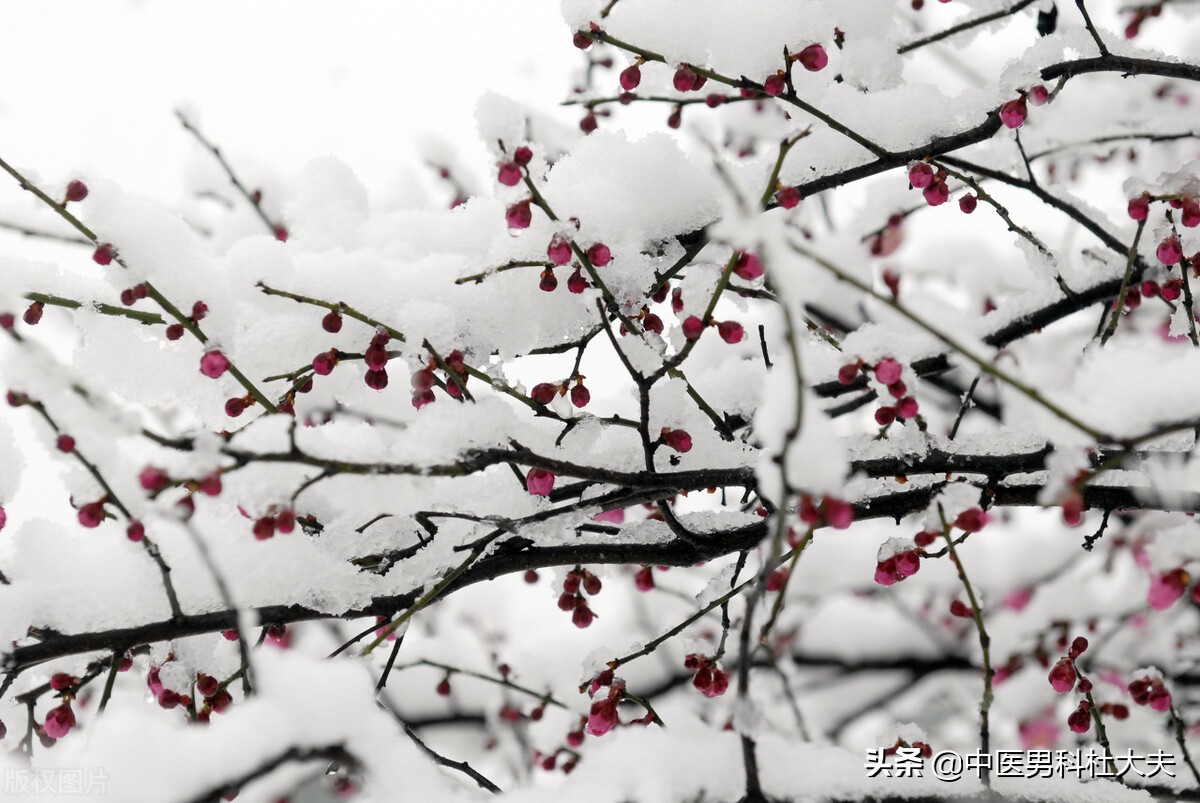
x: 986, y: 367
x: 656, y: 642
x: 479, y: 277
x: 429, y: 596
x: 683, y: 353
x: 216, y: 152
x: 581, y: 255
x: 985, y: 643
x: 1125, y: 282
x: 1102, y: 735
x: 777, y: 608
x: 148, y: 318
x: 705, y: 407
x: 790, y: 98
x: 151, y: 290
x: 111, y: 496
x: 644, y: 703
x: 784, y: 147
x: 336, y: 306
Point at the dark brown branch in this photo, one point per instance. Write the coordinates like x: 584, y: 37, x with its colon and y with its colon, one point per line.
x: 964, y: 26
x: 1087, y: 21
x: 1125, y: 65
x: 333, y: 753
x: 892, y: 504
x: 460, y: 766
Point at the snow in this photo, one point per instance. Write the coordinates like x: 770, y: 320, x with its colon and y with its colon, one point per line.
x: 747, y: 39
x: 380, y: 478
x: 628, y: 193
x: 285, y: 713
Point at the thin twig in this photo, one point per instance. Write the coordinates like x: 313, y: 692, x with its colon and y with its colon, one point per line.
x: 460, y: 766
x: 1189, y: 306
x: 966, y: 403
x: 110, y: 497
x: 148, y: 318
x: 190, y: 326
x: 227, y: 598
x: 45, y: 235
x: 744, y: 83
x: 1029, y: 392
x: 1119, y: 304
x: 1024, y: 156
x: 985, y: 643
x: 1087, y: 20
x: 255, y: 201
x: 1181, y: 739
x: 964, y: 26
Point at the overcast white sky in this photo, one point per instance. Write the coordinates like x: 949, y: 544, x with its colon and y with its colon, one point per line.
x: 90, y: 88
x: 90, y: 85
